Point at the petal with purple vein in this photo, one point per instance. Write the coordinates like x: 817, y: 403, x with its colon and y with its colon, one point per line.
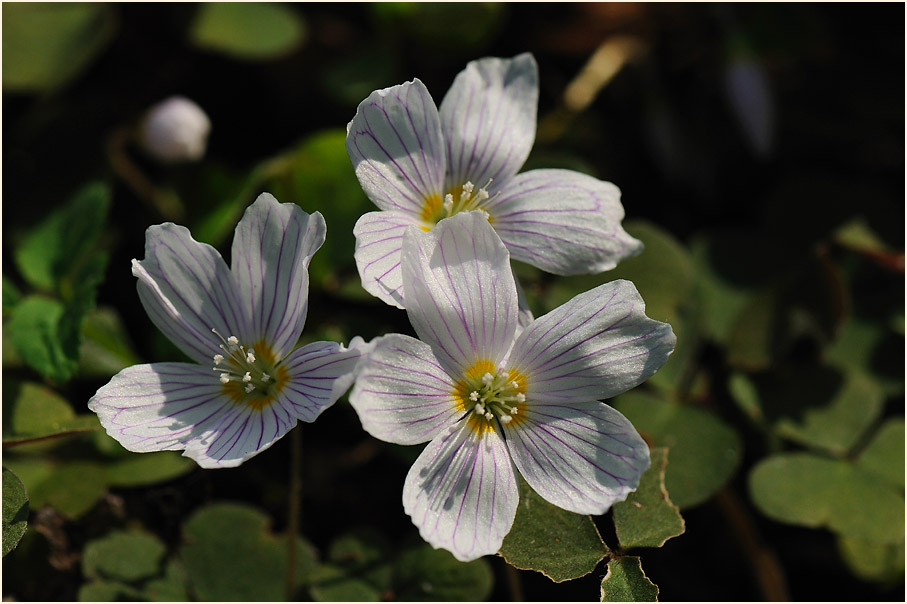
x: 462, y: 492
x: 460, y: 293
x: 272, y: 248
x: 318, y: 374
x: 582, y: 458
x: 563, y: 222
x: 401, y: 394
x: 394, y: 142
x: 187, y: 289
x: 379, y: 239
x: 488, y: 118
x: 596, y: 346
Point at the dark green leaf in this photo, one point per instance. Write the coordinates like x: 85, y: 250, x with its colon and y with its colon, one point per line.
x: 56, y: 247
x: 105, y: 348
x: 169, y: 588
x: 248, y: 30
x: 872, y: 561
x: 148, y: 468
x: 71, y: 488
x: 426, y: 574
x: 648, y: 518
x: 123, y: 555
x: 33, y: 411
x: 811, y: 491
x: 230, y: 554
x: 561, y: 545
x: 15, y: 510
x: 704, y: 450
x: 101, y: 591
x: 330, y: 583
x: 11, y: 296
x: 45, y: 45
x: 626, y: 582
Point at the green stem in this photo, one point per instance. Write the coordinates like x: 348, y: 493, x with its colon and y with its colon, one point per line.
x: 294, y: 508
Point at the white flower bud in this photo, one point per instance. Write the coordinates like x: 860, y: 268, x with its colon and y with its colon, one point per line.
x: 175, y: 130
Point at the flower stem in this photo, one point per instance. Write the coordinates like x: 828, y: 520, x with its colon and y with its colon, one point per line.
x: 294, y: 508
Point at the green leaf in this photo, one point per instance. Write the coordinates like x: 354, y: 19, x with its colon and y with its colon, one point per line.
x: 169, y: 588
x: 330, y: 583
x: 230, y: 554
x: 872, y: 347
x: 820, y: 407
x: 883, y: 562
x: 15, y: 510
x: 123, y: 555
x: 648, y: 518
x: 800, y: 488
x: 884, y: 455
x: 705, y: 451
x: 34, y: 330
x: 11, y: 296
x: 559, y: 544
x: 105, y: 349
x: 248, y: 30
x: 46, y: 45
x: 626, y: 582
x: 55, y: 248
x: 33, y: 411
x: 148, y: 468
x: 101, y: 591
x: 423, y: 574
x: 71, y: 488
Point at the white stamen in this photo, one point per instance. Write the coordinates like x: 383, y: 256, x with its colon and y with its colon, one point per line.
x: 218, y: 359
x: 485, y: 214
x: 247, y: 378
x: 487, y: 379
x: 513, y: 410
x: 505, y: 419
x: 448, y: 202
x: 224, y: 378
x: 474, y: 395
x: 480, y: 409
x: 250, y: 356
x: 249, y: 388
x: 233, y: 340
x: 520, y: 397
x: 515, y: 385
x: 489, y: 416
x: 265, y: 377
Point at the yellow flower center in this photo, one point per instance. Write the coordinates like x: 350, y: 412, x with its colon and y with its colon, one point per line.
x: 491, y: 395
x: 250, y: 376
x: 463, y: 199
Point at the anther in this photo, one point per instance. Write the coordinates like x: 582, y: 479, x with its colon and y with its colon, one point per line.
x: 487, y: 379
x: 248, y: 377
x: 224, y: 378
x: 218, y: 359
x: 233, y: 340
x: 514, y: 410
x: 265, y: 377
x: 520, y: 397
x: 489, y: 416
x: 480, y: 409
x: 250, y: 356
x: 474, y: 395
x: 249, y: 388
x: 505, y: 419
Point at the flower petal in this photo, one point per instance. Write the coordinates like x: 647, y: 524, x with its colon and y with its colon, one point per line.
x: 563, y: 222
x: 174, y: 406
x: 187, y: 290
x: 597, y: 345
x: 272, y: 248
x: 402, y: 395
x: 459, y: 290
x: 582, y: 458
x: 319, y: 374
x: 462, y: 492
x: 488, y: 118
x: 394, y: 142
x: 379, y: 239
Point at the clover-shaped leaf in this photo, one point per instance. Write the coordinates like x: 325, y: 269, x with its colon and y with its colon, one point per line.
x: 626, y: 582
x: 648, y: 518
x: 15, y: 510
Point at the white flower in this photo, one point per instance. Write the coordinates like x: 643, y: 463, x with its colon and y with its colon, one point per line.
x: 175, y: 130
x: 493, y: 403
x: 249, y: 387
x: 419, y: 164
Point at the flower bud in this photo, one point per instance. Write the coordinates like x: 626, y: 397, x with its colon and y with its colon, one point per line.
x: 175, y: 130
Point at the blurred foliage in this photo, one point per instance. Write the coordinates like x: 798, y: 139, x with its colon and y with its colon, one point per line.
x: 760, y: 154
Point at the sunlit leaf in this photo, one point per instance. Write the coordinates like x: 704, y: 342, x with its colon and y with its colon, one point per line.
x: 71, y: 488
x: 800, y: 488
x: 561, y: 545
x: 15, y: 510
x: 704, y: 451
x: 248, y: 30
x: 53, y: 249
x: 423, y: 574
x: 148, y: 468
x: 648, y: 518
x: 626, y: 582
x: 33, y: 411
x: 45, y: 45
x: 123, y: 555
x: 230, y: 554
